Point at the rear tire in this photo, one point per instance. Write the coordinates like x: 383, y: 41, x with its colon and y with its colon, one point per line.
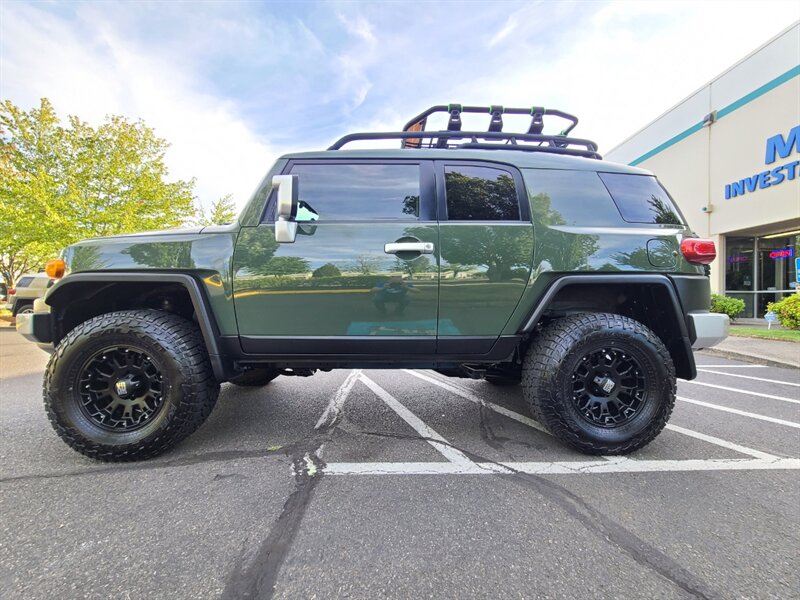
x: 129, y: 385
x: 601, y: 383
x: 255, y: 377
x: 22, y: 308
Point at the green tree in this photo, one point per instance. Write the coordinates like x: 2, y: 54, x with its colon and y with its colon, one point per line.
x: 222, y: 212
x: 60, y: 184
x: 283, y: 265
x: 327, y: 270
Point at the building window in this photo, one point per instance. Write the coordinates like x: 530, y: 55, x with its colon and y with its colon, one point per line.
x: 760, y: 270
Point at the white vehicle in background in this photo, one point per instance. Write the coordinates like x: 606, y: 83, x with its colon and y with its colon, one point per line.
x: 29, y: 288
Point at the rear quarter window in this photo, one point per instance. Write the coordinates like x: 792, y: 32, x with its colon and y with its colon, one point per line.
x: 24, y: 282
x: 641, y: 199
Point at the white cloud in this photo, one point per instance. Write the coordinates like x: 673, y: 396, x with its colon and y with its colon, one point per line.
x: 629, y: 63
x: 358, y: 26
x: 104, y: 73
x: 511, y: 25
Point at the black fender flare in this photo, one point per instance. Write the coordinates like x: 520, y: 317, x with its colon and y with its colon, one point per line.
x: 59, y: 295
x: 680, y: 349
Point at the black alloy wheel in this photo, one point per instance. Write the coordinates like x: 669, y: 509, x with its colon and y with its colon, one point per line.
x: 609, y: 387
x: 121, y: 388
x: 599, y: 382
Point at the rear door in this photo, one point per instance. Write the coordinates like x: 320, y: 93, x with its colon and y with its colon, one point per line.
x: 486, y: 248
x: 360, y: 279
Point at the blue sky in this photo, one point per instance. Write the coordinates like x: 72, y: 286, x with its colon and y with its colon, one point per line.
x: 233, y: 85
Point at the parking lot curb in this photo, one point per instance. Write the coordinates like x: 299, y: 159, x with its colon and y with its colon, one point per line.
x: 756, y: 360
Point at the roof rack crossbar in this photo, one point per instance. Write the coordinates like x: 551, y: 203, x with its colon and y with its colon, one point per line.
x: 557, y: 144
x: 537, y: 114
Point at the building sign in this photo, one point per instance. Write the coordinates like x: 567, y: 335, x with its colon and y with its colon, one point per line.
x: 782, y: 253
x: 777, y: 146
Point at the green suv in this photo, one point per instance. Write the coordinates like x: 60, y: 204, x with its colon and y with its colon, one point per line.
x: 519, y: 258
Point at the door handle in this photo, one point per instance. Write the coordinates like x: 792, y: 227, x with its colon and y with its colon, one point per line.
x: 421, y: 247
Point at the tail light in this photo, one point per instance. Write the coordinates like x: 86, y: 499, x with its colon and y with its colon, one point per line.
x: 12, y: 291
x: 698, y: 251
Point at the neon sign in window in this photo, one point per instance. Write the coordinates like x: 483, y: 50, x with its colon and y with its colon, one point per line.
x: 782, y: 253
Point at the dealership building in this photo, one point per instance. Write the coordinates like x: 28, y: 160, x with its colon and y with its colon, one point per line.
x: 730, y: 156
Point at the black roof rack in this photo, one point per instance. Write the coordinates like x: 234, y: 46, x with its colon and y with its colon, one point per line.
x: 494, y: 138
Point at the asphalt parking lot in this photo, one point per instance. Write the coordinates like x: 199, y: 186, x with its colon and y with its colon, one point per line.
x: 406, y: 484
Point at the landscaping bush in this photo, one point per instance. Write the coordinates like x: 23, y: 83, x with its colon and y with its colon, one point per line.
x: 732, y: 307
x: 788, y: 311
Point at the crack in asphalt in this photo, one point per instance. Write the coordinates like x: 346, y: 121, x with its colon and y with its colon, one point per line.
x: 195, y: 459
x: 260, y: 575
x: 593, y: 520
x: 257, y: 577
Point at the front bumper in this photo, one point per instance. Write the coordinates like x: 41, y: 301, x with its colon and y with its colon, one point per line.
x: 37, y: 326
x: 710, y: 328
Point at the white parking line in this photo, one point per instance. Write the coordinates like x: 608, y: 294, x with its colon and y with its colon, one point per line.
x: 720, y: 442
x: 740, y: 391
x: 741, y: 412
x: 732, y: 366
x: 563, y: 467
x: 335, y: 405
x: 454, y: 456
x: 749, y: 377
x: 530, y: 422
x: 478, y: 400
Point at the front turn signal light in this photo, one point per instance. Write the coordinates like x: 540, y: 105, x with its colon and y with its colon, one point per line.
x: 55, y: 268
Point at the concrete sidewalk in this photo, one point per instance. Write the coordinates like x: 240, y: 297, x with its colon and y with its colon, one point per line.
x: 775, y: 353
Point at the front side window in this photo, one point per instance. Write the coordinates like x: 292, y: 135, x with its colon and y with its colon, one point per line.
x: 347, y: 192
x: 480, y: 194
x: 641, y: 199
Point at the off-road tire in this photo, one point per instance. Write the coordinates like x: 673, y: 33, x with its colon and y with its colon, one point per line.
x: 188, y: 387
x: 255, y: 377
x: 551, y: 362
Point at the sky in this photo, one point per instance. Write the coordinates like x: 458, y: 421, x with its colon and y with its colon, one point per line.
x: 233, y: 85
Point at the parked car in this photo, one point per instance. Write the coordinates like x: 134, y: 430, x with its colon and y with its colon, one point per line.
x: 516, y: 257
x: 28, y: 288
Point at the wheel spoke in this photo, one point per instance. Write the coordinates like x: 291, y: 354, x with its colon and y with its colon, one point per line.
x: 120, y: 389
x: 608, y: 387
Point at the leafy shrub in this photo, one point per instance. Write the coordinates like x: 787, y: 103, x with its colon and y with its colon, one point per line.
x: 788, y: 311
x: 732, y: 307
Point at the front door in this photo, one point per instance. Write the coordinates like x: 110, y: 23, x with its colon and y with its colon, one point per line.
x: 361, y: 278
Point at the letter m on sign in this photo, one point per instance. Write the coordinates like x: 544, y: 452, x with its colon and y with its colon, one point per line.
x: 781, y: 146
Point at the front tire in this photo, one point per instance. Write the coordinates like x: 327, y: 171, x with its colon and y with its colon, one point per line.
x: 129, y: 385
x: 601, y: 383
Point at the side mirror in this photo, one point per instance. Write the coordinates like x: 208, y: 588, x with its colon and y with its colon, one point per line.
x: 286, y: 209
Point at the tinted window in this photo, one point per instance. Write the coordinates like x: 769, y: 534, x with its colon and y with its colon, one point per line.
x: 24, y: 282
x: 641, y: 199
x: 480, y: 194
x: 570, y: 198
x: 340, y: 192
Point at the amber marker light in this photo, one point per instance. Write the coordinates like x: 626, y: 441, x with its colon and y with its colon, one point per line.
x: 55, y: 268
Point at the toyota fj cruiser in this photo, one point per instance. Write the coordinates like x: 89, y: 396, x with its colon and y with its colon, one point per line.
x: 512, y: 257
